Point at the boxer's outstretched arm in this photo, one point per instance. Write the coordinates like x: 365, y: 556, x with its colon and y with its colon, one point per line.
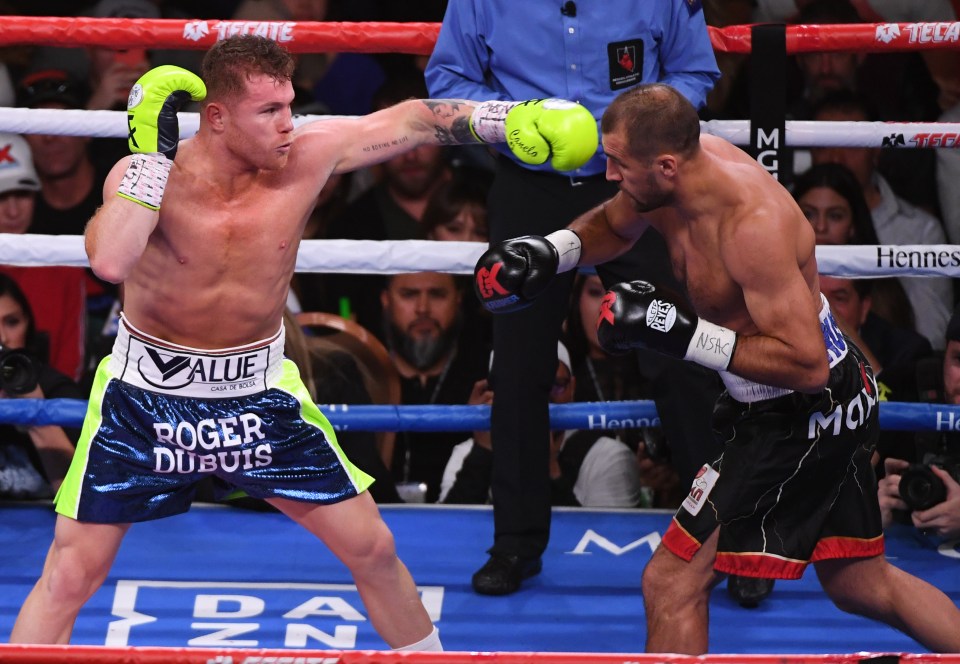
x: 388, y: 133
x: 536, y: 131
x: 608, y: 230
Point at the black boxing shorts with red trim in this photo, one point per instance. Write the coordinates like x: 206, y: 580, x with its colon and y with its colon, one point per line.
x: 161, y: 417
x: 794, y: 484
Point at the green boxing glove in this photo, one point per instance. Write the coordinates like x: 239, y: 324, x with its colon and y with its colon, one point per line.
x: 154, y: 132
x: 535, y: 130
x: 152, y: 108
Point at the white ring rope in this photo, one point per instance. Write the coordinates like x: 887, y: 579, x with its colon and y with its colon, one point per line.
x: 799, y: 133
x: 385, y: 257
x: 392, y: 256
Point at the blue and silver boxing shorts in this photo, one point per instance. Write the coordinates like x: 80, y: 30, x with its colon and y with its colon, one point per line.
x: 163, y: 417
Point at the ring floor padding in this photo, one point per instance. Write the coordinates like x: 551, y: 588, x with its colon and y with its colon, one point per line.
x: 226, y: 577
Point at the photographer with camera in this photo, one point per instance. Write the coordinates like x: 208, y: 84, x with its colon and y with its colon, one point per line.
x: 34, y: 458
x: 927, y: 492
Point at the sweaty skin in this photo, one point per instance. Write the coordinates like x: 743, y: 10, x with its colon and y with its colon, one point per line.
x: 224, y: 245
x: 737, y: 241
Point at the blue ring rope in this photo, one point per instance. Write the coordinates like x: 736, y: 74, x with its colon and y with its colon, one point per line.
x: 894, y: 416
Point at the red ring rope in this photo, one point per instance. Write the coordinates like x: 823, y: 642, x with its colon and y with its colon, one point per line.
x: 419, y: 38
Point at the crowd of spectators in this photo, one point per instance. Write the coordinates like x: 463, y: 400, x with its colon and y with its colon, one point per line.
x: 438, y: 338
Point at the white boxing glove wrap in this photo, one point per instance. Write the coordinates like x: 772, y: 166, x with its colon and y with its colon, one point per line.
x: 567, y: 244
x: 711, y: 346
x: 488, y: 120
x: 145, y: 179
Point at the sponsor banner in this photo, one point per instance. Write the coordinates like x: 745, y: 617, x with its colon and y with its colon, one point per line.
x: 890, y: 260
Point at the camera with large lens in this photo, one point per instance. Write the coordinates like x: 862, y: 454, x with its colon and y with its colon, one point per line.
x: 18, y: 371
x: 920, y: 488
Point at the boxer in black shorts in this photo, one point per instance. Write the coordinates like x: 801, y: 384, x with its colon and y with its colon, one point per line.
x: 798, y: 421
x: 794, y: 484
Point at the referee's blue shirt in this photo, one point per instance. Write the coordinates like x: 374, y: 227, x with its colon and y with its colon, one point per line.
x: 584, y: 50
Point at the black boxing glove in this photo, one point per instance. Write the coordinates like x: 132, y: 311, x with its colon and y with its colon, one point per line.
x: 637, y: 314
x: 510, y: 274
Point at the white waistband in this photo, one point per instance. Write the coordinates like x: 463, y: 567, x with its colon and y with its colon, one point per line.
x: 747, y: 391
x: 160, y: 366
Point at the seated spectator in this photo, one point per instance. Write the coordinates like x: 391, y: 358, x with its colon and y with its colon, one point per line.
x: 832, y: 200
x: 938, y: 450
x: 333, y: 376
x: 71, y: 183
x: 33, y: 458
x: 941, y: 64
x: 948, y: 175
x: 893, y: 351
x: 587, y: 468
x: 113, y: 71
x: 340, y: 83
x: 57, y: 291
x: 439, y: 361
x: 71, y: 186
x: 457, y: 212
x: 604, y: 377
x: 457, y: 209
x: 895, y: 220
x: 390, y: 210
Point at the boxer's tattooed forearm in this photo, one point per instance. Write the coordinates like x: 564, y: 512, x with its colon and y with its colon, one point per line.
x: 453, y: 120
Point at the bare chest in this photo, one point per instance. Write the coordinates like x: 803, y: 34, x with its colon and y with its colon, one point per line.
x: 712, y: 292
x: 204, y: 228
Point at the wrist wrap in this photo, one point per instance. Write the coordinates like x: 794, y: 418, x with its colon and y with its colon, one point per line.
x: 145, y: 179
x: 488, y: 119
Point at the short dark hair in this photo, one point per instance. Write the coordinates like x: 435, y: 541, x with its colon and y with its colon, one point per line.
x: 828, y: 11
x: 9, y: 286
x: 229, y: 64
x: 657, y: 119
x: 467, y: 187
x: 841, y: 180
x: 953, y: 326
x: 845, y: 101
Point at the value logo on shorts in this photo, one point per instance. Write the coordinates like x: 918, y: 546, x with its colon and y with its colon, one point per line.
x: 169, y: 371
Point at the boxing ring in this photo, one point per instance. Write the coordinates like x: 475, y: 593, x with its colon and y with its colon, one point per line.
x: 108, y: 627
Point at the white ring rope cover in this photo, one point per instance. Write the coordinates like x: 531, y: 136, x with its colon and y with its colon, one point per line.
x: 392, y: 256
x: 799, y: 133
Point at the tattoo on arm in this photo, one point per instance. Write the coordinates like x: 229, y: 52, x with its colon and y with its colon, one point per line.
x: 444, y: 108
x: 374, y: 147
x: 462, y: 133
x: 443, y: 135
x: 453, y: 120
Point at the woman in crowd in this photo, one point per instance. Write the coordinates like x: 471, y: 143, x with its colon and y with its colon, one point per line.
x: 33, y: 458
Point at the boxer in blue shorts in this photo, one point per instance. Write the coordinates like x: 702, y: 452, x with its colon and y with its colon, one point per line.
x: 240, y: 415
x: 196, y: 385
x: 798, y: 422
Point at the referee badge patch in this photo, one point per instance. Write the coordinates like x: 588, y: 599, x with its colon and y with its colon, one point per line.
x: 626, y: 63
